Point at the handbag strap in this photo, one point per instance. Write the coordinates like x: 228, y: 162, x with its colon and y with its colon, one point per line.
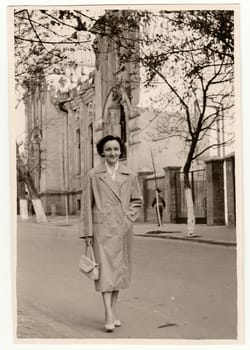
x: 91, y: 252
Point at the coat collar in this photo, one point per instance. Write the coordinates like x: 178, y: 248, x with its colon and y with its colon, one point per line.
x: 102, y: 172
x: 101, y: 168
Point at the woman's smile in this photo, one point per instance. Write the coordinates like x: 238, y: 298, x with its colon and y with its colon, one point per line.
x: 111, y: 151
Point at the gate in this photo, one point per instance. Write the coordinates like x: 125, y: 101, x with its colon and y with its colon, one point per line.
x: 199, y: 192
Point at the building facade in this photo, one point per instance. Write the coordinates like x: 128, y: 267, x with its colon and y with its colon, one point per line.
x: 56, y: 129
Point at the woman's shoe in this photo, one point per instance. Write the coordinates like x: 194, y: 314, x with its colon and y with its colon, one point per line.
x: 109, y: 327
x: 117, y: 323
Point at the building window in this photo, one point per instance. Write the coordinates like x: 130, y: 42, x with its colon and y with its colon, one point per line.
x: 78, y: 151
x: 123, y: 127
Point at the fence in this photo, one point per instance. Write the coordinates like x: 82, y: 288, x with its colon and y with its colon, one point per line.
x: 199, y: 191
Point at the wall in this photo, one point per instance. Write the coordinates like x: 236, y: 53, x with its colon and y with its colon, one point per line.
x: 58, y: 176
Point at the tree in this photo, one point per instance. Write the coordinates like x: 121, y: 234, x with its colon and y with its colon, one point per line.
x: 50, y: 41
x: 49, y: 49
x: 24, y: 173
x: 190, y: 55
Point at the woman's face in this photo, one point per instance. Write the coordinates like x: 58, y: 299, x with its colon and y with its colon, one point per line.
x: 111, y: 151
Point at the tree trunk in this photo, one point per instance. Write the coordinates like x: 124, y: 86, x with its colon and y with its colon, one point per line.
x: 40, y: 214
x: 36, y: 201
x: 190, y: 206
x: 28, y: 180
x: 23, y: 205
x: 37, y: 204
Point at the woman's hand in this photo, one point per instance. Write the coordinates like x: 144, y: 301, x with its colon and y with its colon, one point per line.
x: 89, y: 240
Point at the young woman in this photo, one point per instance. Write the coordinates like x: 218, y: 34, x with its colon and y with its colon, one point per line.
x: 111, y: 200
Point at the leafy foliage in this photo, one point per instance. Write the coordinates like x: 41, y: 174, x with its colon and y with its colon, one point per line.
x: 46, y: 42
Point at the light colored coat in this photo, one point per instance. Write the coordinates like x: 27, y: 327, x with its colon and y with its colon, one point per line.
x: 109, y: 209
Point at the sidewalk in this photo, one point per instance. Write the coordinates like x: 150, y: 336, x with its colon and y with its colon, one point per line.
x: 220, y: 235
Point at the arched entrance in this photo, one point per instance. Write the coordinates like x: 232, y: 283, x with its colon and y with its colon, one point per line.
x: 115, y: 115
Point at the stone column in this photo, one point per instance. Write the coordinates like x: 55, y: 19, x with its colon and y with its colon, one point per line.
x: 230, y: 190
x: 170, y: 193
x: 85, y: 141
x: 142, y: 174
x: 215, y: 192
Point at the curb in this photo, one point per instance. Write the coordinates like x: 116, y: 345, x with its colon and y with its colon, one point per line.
x: 191, y: 239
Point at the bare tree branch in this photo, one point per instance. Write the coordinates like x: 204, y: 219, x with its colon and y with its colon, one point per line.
x: 53, y: 42
x: 214, y: 145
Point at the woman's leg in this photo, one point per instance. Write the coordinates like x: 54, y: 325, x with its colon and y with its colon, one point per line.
x: 107, y: 297
x: 114, y: 299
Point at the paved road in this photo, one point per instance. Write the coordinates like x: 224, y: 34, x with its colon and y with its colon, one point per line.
x: 180, y: 290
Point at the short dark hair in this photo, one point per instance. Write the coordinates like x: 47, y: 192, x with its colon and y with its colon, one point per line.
x: 101, y: 143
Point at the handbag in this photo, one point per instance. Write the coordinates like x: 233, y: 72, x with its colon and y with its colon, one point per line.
x: 88, y: 265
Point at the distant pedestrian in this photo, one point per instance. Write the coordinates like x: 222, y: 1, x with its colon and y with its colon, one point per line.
x: 159, y: 204
x: 30, y: 205
x: 111, y: 202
